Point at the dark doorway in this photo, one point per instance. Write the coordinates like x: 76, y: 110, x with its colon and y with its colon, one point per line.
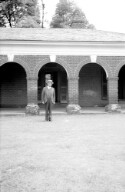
x: 59, y: 77
x: 13, y: 85
x: 92, y: 86
x: 121, y: 84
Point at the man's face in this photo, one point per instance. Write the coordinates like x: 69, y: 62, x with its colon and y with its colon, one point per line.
x: 49, y: 84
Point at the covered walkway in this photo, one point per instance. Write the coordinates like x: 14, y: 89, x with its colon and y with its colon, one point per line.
x: 56, y: 111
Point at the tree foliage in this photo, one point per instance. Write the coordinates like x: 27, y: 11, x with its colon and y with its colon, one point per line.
x: 68, y: 15
x: 19, y: 13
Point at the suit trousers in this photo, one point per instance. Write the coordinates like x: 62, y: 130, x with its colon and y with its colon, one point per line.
x: 48, y: 109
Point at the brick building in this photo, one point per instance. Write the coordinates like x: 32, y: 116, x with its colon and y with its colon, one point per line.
x: 87, y: 66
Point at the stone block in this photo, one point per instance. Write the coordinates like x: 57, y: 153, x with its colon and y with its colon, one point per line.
x: 73, y: 109
x: 32, y: 109
x: 113, y: 108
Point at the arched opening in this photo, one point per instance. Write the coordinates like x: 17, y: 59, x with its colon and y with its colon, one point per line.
x: 13, y: 85
x: 121, y: 84
x: 59, y: 77
x: 92, y: 86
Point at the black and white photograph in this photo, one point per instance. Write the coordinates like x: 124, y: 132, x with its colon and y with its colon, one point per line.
x: 62, y: 95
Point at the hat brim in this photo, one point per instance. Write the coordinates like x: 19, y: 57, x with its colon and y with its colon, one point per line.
x: 50, y: 81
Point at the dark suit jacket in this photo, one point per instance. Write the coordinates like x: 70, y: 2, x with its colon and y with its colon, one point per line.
x: 48, y: 94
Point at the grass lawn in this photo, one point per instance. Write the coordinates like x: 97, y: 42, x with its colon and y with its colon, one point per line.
x: 73, y: 153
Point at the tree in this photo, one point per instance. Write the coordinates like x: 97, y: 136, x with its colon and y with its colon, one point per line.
x: 68, y: 15
x: 43, y: 14
x: 16, y: 13
x: 9, y: 11
x: 31, y: 18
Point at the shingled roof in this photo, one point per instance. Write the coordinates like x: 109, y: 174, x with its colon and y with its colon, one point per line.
x: 39, y: 34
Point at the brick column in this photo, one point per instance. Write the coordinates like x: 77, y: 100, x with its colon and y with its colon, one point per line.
x: 113, y: 95
x: 32, y: 89
x: 73, y: 95
x: 113, y: 90
x: 73, y: 90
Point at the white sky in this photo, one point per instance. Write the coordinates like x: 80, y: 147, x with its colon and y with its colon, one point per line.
x: 107, y: 15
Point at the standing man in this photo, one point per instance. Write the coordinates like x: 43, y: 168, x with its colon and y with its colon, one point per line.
x: 48, y: 98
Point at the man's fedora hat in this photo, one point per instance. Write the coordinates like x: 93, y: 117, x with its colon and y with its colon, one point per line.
x: 49, y: 81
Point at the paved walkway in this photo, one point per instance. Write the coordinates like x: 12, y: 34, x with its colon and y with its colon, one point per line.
x: 21, y: 111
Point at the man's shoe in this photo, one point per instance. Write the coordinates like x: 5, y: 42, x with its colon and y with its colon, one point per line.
x: 50, y: 119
